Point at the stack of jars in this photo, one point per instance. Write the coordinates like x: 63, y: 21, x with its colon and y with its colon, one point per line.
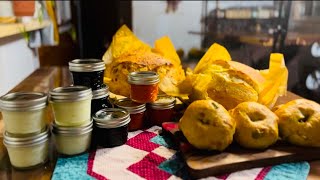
x: 145, y: 105
x: 72, y: 126
x: 74, y: 105
x: 109, y: 124
x: 26, y: 133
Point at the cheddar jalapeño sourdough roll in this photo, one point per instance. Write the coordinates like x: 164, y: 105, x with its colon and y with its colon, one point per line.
x: 299, y: 122
x: 207, y: 125
x: 257, y: 126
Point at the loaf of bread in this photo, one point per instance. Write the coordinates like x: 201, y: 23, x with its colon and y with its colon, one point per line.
x: 128, y: 54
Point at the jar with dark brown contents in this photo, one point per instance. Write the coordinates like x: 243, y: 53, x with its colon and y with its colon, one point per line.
x: 100, y: 99
x: 87, y: 72
x: 110, y: 127
x: 161, y: 110
x: 136, y: 110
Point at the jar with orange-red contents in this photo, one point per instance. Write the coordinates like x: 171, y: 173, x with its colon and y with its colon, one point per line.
x: 162, y: 110
x: 136, y: 110
x: 144, y: 86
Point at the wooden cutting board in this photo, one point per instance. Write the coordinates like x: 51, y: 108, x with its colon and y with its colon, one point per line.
x: 202, y: 164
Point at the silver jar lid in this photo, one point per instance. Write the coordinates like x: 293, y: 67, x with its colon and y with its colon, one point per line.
x: 111, y: 118
x: 23, y: 101
x: 70, y: 93
x: 72, y: 131
x: 143, y: 78
x: 100, y: 93
x: 25, y: 141
x: 163, y: 102
x: 86, y: 65
x: 131, y: 106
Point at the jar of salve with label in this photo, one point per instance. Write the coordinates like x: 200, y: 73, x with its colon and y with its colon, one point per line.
x: 144, y: 86
x: 71, y: 105
x: 72, y: 140
x: 111, y: 127
x: 161, y: 110
x: 87, y: 72
x: 136, y: 110
x: 27, y: 152
x: 100, y: 99
x: 24, y: 113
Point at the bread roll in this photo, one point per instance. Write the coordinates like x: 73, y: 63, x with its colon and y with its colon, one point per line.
x: 299, y: 122
x: 207, y: 125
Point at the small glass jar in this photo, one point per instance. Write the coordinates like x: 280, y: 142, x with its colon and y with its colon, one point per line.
x: 24, y: 113
x: 100, y: 99
x: 72, y: 140
x: 87, y: 72
x: 144, y: 86
x: 71, y: 105
x: 111, y: 127
x: 161, y: 110
x: 27, y: 152
x: 136, y: 110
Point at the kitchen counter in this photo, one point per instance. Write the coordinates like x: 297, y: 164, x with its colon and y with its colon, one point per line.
x: 47, y: 78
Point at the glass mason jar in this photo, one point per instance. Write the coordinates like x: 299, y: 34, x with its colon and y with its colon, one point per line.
x: 27, y: 152
x: 24, y: 113
x: 100, y: 99
x: 144, y: 86
x: 87, y: 72
x: 71, y: 105
x: 136, y: 110
x: 72, y: 140
x: 111, y: 127
x: 161, y: 110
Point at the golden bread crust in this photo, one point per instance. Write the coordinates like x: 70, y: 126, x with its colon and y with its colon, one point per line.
x: 207, y: 125
x: 229, y: 87
x: 299, y: 122
x: 118, y: 70
x: 257, y: 125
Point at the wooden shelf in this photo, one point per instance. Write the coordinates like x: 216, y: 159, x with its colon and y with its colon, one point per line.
x: 18, y: 28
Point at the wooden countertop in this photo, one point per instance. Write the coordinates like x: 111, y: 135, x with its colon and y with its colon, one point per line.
x: 46, y: 78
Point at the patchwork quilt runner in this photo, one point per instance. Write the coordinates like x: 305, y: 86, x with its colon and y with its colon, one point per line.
x: 151, y: 155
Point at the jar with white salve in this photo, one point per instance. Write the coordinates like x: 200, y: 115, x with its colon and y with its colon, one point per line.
x: 24, y: 113
x: 72, y: 140
x: 71, y: 105
x: 27, y: 152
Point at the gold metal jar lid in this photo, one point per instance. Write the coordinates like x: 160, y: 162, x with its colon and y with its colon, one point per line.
x: 163, y: 102
x: 111, y: 118
x: 13, y: 141
x: 86, y: 65
x: 70, y: 94
x: 100, y: 93
x: 72, y: 131
x: 131, y: 106
x: 143, y: 78
x: 23, y: 101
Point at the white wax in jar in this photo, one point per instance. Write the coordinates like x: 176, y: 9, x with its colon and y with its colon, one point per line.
x: 72, y: 113
x: 72, y: 144
x: 24, y: 122
x: 28, y: 156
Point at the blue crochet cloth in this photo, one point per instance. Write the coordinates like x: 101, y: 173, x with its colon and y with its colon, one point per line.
x: 72, y: 168
x: 289, y: 171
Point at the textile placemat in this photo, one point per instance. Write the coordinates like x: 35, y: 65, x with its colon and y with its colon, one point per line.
x: 151, y: 155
